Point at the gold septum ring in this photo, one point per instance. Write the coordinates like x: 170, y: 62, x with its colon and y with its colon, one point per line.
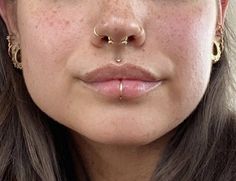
x: 124, y: 41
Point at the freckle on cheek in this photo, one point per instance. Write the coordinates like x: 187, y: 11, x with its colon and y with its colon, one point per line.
x: 51, y: 23
x: 67, y: 22
x: 81, y: 20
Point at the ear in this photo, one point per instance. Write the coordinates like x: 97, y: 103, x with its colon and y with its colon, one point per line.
x: 222, y: 10
x: 8, y: 14
x: 2, y: 10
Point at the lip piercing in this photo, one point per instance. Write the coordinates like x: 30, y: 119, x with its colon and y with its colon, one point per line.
x: 121, y: 89
x: 118, y: 60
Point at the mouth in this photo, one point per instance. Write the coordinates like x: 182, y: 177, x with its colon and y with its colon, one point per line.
x: 126, y: 89
x: 127, y: 81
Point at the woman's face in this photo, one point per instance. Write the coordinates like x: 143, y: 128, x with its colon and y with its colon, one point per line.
x: 58, y: 47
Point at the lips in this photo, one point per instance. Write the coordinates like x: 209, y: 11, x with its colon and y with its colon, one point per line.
x: 128, y: 81
x: 112, y: 72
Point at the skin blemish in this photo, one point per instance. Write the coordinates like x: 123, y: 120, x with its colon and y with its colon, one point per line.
x: 81, y: 20
x: 67, y: 22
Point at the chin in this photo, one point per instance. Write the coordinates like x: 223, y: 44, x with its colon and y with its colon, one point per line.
x: 118, y: 138
x: 123, y: 140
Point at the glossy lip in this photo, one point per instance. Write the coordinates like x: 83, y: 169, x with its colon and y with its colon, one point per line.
x: 123, y: 72
x: 131, y: 88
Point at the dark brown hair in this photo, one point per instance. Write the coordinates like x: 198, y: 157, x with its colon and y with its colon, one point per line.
x: 34, y: 147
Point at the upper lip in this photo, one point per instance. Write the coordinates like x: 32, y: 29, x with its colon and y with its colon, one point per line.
x: 112, y: 72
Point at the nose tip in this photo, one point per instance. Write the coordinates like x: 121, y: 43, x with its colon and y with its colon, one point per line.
x: 118, y: 31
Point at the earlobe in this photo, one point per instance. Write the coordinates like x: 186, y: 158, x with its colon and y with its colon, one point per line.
x: 3, y: 13
x: 222, y: 10
x: 7, y: 13
x: 224, y: 3
x: 2, y: 10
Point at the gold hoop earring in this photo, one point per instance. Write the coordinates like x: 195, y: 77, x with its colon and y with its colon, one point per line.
x: 14, y: 52
x: 216, y: 52
x: 218, y: 44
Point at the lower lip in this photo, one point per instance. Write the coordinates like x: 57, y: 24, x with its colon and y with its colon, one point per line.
x: 131, y: 88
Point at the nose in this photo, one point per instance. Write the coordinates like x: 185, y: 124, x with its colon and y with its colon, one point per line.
x: 118, y: 29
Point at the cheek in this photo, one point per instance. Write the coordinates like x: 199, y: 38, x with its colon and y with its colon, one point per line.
x: 49, y: 31
x: 185, y: 36
x: 47, y: 42
x: 191, y: 53
x: 45, y: 37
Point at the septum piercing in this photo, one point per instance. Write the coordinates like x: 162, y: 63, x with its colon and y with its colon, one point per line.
x: 124, y: 41
x: 110, y: 41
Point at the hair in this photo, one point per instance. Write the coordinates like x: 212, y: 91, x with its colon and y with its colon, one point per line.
x: 35, y: 147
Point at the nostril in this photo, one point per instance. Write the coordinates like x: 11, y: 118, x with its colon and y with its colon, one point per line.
x: 131, y: 38
x: 136, y: 37
x: 105, y: 38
